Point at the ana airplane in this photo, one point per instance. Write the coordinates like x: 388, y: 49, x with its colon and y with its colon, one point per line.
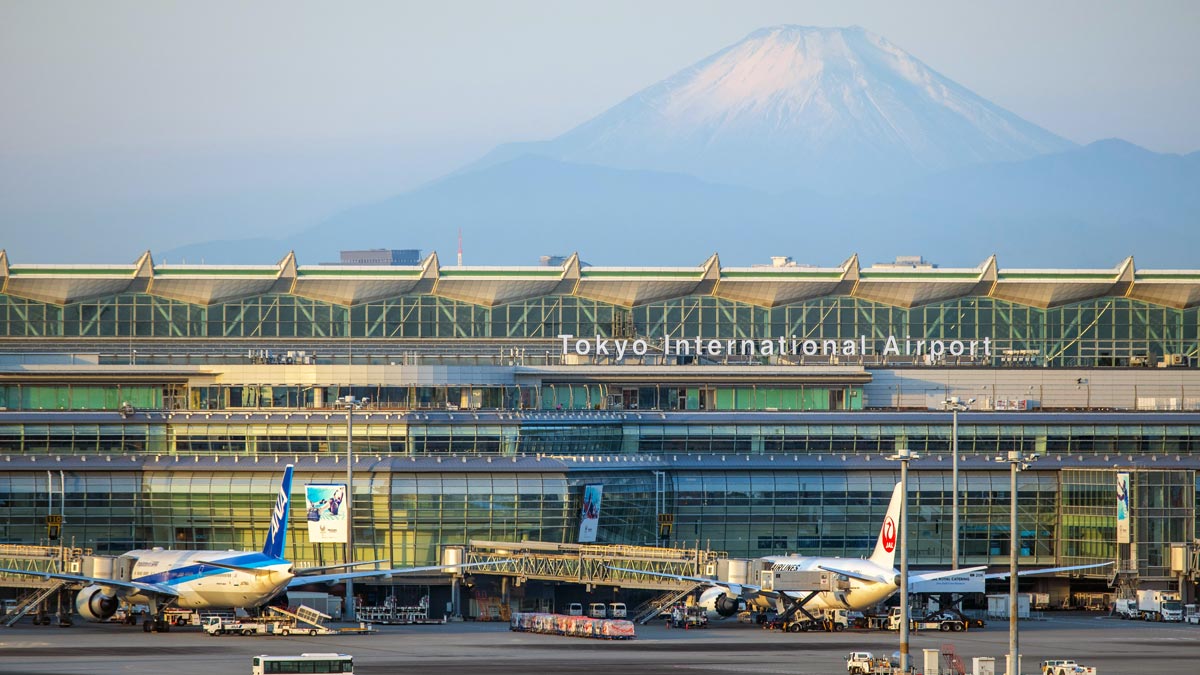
x: 211, y: 579
x: 866, y: 582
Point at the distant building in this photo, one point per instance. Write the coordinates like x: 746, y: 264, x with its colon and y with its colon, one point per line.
x: 909, y: 262
x: 381, y: 256
x: 779, y: 261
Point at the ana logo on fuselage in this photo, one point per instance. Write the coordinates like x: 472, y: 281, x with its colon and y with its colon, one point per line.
x: 888, y: 535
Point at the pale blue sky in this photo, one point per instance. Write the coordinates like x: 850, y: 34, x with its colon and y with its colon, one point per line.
x: 237, y: 118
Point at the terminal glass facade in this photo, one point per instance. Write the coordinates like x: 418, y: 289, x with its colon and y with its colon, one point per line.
x: 1098, y: 332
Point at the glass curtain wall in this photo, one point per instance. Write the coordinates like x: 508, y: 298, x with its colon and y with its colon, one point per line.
x: 839, y: 513
x: 1105, y: 331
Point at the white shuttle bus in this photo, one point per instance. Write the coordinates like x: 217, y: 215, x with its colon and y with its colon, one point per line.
x: 304, y: 663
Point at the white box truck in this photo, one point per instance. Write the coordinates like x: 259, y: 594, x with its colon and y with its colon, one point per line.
x: 1160, y: 606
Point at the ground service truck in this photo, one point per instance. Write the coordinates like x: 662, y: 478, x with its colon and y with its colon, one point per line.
x: 1160, y: 606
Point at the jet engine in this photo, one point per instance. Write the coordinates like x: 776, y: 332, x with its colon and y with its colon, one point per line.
x: 94, y: 604
x: 717, y: 601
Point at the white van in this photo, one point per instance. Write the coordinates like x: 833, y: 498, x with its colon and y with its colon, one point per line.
x: 597, y: 610
x: 575, y: 609
x: 616, y: 610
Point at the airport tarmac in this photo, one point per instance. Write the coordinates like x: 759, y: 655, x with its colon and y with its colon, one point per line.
x: 1114, y: 646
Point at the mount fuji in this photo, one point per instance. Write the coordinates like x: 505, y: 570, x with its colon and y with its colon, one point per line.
x: 810, y: 142
x: 828, y: 109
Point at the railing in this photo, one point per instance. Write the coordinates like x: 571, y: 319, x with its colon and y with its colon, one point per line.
x: 592, y: 564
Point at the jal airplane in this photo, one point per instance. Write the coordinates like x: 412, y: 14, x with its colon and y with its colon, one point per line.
x: 211, y: 579
x: 868, y: 581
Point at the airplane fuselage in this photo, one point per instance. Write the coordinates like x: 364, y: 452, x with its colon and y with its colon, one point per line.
x: 857, y: 594
x: 204, y: 586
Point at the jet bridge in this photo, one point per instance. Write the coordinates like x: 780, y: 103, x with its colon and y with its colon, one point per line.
x: 591, y: 564
x: 38, y: 591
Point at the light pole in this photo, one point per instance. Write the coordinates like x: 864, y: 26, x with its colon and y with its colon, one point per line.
x: 350, y: 404
x: 1017, y: 462
x: 954, y: 405
x: 903, y: 455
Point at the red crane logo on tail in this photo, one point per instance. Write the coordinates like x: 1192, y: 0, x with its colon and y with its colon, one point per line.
x: 888, y: 535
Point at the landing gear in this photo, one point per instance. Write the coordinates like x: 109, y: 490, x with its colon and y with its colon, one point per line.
x: 159, y: 624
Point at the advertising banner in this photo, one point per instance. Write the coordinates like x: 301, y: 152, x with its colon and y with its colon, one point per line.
x: 328, y: 513
x: 590, y: 515
x: 1122, y: 508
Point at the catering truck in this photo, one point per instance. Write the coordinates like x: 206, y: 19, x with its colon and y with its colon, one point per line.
x: 1160, y: 606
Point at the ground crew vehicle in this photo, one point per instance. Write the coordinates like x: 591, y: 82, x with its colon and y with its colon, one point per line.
x: 215, y: 625
x: 865, y: 663
x: 830, y: 621
x: 692, y: 616
x: 616, y: 610
x: 943, y: 622
x: 1127, y: 608
x: 598, y: 610
x: 1065, y: 667
x: 575, y: 609
x: 1191, y: 614
x: 1160, y: 606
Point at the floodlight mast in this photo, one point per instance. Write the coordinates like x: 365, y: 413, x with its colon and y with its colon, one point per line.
x: 903, y: 455
x: 954, y: 405
x: 351, y: 404
x: 1017, y: 462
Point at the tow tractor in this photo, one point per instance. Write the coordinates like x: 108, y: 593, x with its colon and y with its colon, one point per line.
x: 865, y: 663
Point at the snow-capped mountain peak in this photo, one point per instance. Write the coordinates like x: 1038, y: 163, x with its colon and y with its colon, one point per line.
x: 796, y: 106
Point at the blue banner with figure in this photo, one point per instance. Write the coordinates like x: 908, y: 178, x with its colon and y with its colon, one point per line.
x: 1122, y: 508
x: 590, y: 514
x: 328, y: 513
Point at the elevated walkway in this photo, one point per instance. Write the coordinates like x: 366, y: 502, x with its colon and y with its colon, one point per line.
x: 37, y: 560
x: 589, y: 564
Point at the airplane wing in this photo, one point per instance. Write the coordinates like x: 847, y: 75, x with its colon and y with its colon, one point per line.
x: 158, y: 589
x: 929, y: 576
x: 257, y: 571
x: 738, y: 589
x: 343, y: 576
x: 306, y: 572
x: 309, y: 571
x: 1047, y: 570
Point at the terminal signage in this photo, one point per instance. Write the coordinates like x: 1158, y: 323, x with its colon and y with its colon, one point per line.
x: 891, y: 345
x: 328, y: 513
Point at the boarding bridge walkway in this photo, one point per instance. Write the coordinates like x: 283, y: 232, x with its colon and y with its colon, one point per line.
x: 591, y: 564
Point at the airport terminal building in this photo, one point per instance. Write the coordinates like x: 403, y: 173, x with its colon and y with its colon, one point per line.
x: 749, y: 410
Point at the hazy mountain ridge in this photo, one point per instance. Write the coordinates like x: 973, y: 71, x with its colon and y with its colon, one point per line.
x: 1088, y: 207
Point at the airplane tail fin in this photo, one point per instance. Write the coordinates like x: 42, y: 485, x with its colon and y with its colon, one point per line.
x: 889, y: 533
x: 277, y: 535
